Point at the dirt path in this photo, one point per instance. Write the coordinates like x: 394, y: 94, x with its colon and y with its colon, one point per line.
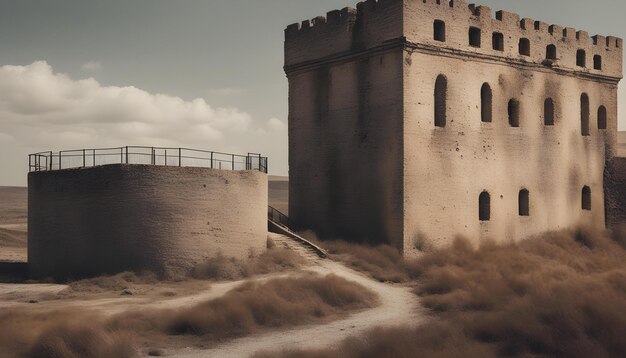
x: 399, y: 306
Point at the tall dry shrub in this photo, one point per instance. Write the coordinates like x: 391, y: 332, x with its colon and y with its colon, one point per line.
x: 225, y: 268
x: 559, y: 295
x: 276, y: 303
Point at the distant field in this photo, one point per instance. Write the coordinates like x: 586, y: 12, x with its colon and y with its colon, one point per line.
x: 14, y: 214
x: 13, y: 222
x: 279, y: 193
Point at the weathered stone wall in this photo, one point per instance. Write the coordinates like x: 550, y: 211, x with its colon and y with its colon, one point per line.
x: 446, y: 169
x: 418, y: 181
x: 85, y: 222
x: 345, y: 149
x: 615, y: 186
x: 419, y: 17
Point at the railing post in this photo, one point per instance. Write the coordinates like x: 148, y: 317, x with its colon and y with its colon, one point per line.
x: 126, y: 154
x: 212, y: 160
x: 60, y: 158
x: 121, y: 155
x: 94, y: 157
x: 52, y: 160
x: 233, y: 162
x: 83, y: 158
x: 180, y: 157
x: 153, y: 156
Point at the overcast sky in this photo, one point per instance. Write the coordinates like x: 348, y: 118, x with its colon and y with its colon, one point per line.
x: 204, y: 74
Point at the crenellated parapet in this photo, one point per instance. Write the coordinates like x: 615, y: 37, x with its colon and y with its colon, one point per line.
x: 506, y: 36
x: 370, y: 24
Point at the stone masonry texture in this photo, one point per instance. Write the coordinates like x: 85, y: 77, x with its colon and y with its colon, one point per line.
x: 109, y: 219
x: 367, y: 162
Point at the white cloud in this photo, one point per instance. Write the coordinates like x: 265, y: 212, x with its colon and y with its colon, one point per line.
x: 36, y: 102
x: 44, y: 110
x: 91, y: 66
x: 276, y: 124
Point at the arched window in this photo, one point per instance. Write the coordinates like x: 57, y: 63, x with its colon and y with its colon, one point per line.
x: 597, y: 62
x: 586, y: 198
x: 440, y: 31
x: 441, y: 93
x: 513, y: 111
x: 602, y: 117
x: 498, y: 41
x: 524, y: 47
x: 484, y: 206
x: 551, y: 52
x: 486, y: 109
x: 474, y: 36
x: 548, y: 112
x: 524, y: 203
x: 581, y: 58
x: 584, y: 115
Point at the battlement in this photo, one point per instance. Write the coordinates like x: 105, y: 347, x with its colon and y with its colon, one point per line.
x: 506, y: 36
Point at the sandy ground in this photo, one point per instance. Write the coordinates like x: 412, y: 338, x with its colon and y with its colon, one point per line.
x: 398, y: 307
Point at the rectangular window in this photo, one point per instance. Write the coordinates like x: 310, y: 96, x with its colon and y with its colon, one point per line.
x: 474, y: 37
x: 439, y: 31
x: 498, y: 41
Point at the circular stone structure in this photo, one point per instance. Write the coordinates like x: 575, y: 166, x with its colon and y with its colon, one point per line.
x: 116, y: 218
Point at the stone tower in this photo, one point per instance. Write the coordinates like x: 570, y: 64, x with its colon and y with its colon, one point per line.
x: 414, y: 120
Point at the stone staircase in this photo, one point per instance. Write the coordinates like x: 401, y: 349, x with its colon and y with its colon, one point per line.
x: 283, y: 235
x: 286, y: 242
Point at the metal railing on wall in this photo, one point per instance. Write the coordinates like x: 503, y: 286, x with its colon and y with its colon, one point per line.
x: 276, y: 216
x: 176, y: 157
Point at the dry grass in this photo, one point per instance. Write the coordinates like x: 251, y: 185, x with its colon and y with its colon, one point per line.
x: 277, y: 303
x: 223, y: 268
x: 383, y: 262
x: 83, y: 341
x: 250, y: 308
x: 217, y: 268
x: 75, y: 333
x: 119, y: 282
x: 560, y: 295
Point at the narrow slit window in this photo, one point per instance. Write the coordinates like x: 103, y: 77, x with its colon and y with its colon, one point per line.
x: 597, y: 62
x: 524, y: 47
x: 551, y: 52
x: 584, y: 115
x: 524, y: 203
x: 602, y: 118
x: 441, y: 93
x: 486, y: 108
x: 548, y: 112
x: 498, y: 41
x: 513, y: 112
x: 440, y: 31
x: 484, y: 206
x: 581, y: 58
x: 586, y: 198
x: 474, y: 37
